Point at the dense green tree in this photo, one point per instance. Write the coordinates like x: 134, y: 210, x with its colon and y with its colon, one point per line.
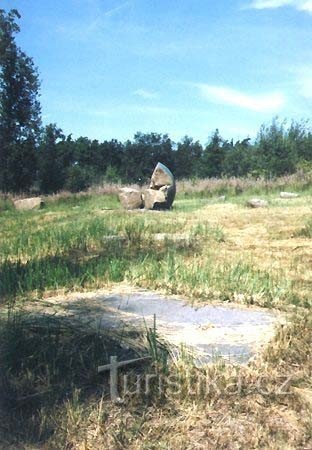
x: 19, y: 109
x: 100, y: 160
x: 239, y: 158
x: 300, y: 140
x: 141, y: 156
x: 51, y: 164
x: 187, y: 158
x: 78, y: 178
x: 274, y: 150
x: 83, y: 151
x: 108, y: 158
x: 213, y: 156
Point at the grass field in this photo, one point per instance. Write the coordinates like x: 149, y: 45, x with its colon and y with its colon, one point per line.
x: 204, y: 249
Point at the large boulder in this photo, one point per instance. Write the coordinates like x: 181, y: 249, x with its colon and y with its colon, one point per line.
x: 130, y: 198
x: 161, y: 199
x: 29, y: 203
x: 162, y: 189
x: 161, y: 177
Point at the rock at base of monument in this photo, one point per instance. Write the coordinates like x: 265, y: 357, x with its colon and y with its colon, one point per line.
x: 288, y: 195
x: 161, y: 199
x: 161, y: 177
x: 29, y: 203
x: 257, y: 203
x: 170, y: 192
x: 153, y: 198
x: 130, y: 198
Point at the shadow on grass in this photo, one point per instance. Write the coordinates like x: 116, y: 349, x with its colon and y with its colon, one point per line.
x: 80, y: 269
x: 53, y: 272
x: 46, y: 362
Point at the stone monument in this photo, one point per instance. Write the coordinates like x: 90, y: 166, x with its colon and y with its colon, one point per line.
x: 160, y: 194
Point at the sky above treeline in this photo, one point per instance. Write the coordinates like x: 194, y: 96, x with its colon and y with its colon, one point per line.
x: 110, y: 68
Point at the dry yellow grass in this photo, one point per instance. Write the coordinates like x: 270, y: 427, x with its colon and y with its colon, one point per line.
x: 265, y: 237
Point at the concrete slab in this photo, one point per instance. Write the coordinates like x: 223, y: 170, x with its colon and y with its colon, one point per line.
x: 233, y: 333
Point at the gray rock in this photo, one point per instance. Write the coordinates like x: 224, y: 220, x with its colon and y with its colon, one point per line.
x: 113, y: 238
x: 182, y: 238
x: 288, y: 195
x: 130, y: 198
x: 257, y: 203
x: 29, y: 203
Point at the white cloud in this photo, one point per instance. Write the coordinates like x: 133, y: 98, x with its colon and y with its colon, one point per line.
x: 271, y: 102
x: 117, y: 9
x: 144, y: 93
x: 300, y: 5
x: 94, y: 24
x: 264, y: 4
x: 306, y: 6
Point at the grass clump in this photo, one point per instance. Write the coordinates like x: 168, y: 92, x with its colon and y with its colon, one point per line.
x: 5, y: 204
x: 205, y: 280
x: 306, y: 231
x: 50, y: 363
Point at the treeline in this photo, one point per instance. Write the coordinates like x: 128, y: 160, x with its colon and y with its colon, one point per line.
x: 45, y: 160
x: 64, y: 163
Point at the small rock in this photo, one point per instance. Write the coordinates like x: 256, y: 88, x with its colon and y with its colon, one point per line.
x: 257, y: 203
x: 113, y: 238
x: 130, y: 198
x: 171, y: 237
x: 29, y: 203
x: 288, y: 195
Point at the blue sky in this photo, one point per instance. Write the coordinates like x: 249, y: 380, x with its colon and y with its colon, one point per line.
x: 110, y: 68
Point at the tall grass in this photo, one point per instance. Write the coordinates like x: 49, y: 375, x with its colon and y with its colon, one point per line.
x: 53, y: 398
x: 300, y: 181
x: 49, y: 361
x: 81, y: 255
x: 75, y: 244
x: 306, y: 231
x: 5, y: 203
x: 207, y: 280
